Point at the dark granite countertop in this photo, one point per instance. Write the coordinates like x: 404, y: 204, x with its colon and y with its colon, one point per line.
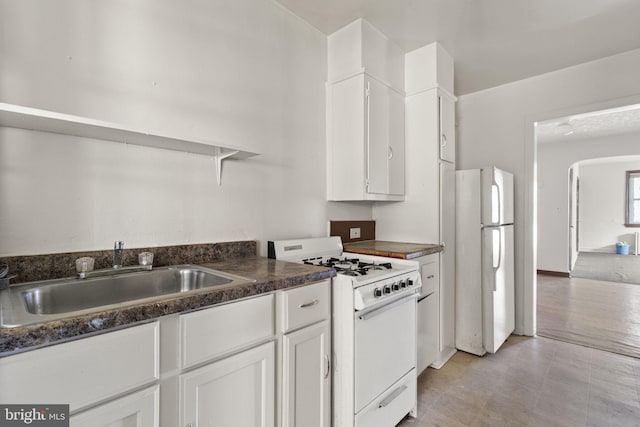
x: 270, y: 275
x: 393, y: 249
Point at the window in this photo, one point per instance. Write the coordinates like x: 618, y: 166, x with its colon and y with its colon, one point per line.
x: 633, y: 199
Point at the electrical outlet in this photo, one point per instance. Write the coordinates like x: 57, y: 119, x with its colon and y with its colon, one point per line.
x: 354, y: 233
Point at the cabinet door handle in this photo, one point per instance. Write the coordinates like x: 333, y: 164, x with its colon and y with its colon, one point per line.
x: 444, y: 140
x: 309, y: 304
x: 390, y: 152
x: 327, y: 365
x: 397, y: 392
x: 431, y: 276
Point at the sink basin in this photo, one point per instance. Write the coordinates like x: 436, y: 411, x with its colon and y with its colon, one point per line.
x: 48, y: 300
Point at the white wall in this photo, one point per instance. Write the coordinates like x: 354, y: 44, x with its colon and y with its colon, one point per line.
x: 246, y: 73
x: 495, y: 126
x: 554, y: 161
x: 603, y: 205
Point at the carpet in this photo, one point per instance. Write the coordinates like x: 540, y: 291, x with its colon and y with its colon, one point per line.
x: 607, y: 267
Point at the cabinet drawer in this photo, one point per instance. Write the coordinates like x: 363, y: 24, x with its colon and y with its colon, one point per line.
x: 306, y: 305
x: 85, y: 371
x: 136, y: 410
x: 429, y: 274
x: 390, y: 407
x: 214, y: 332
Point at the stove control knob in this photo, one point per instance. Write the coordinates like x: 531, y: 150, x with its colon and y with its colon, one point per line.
x: 377, y: 292
x: 409, y: 282
x: 395, y: 286
x: 403, y: 284
x: 386, y: 289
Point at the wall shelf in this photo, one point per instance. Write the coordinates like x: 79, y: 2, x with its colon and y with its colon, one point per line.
x: 17, y: 116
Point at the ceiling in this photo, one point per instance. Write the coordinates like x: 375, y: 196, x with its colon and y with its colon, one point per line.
x: 492, y: 41
x: 602, y: 123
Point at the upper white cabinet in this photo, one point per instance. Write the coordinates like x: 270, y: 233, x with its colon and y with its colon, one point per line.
x: 366, y: 141
x: 447, y: 127
x: 361, y: 48
x: 365, y: 119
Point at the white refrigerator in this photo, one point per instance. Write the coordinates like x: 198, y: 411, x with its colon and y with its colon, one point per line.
x: 485, y: 308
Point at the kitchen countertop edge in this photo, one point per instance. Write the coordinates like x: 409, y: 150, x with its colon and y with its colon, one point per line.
x: 267, y: 276
x: 393, y: 249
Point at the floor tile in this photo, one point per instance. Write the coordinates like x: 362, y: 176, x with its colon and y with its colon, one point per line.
x: 607, y: 412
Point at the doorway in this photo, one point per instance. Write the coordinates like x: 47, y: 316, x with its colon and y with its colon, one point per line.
x: 582, y: 310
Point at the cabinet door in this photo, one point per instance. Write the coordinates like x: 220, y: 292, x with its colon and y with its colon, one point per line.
x: 448, y: 256
x: 446, y: 107
x: 384, y: 140
x: 237, y: 391
x: 427, y: 331
x: 307, y: 377
x: 135, y: 410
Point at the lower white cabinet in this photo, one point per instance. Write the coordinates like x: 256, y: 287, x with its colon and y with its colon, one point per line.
x: 257, y: 362
x: 305, y: 387
x: 307, y: 377
x: 84, y: 372
x: 428, y: 312
x: 427, y: 331
x: 236, y: 391
x: 138, y: 409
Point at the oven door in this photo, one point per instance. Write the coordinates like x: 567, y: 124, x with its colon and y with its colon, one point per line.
x: 385, y: 347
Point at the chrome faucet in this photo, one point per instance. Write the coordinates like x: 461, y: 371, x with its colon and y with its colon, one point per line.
x: 118, y: 247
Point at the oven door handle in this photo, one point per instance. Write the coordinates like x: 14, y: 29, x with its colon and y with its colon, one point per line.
x: 378, y: 311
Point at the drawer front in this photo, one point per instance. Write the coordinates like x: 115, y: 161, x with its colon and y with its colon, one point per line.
x: 430, y: 278
x: 390, y: 407
x: 139, y: 409
x: 306, y: 305
x: 214, y: 332
x: 85, y: 371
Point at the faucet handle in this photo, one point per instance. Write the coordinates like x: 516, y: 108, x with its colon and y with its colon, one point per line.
x: 118, y: 244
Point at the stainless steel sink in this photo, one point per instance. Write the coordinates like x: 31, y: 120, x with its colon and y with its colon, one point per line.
x: 53, y: 299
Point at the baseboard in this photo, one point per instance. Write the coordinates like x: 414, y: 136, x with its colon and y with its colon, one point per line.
x: 553, y: 273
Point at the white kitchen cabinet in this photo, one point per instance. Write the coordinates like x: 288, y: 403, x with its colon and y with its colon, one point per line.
x: 447, y: 127
x: 83, y: 372
x: 428, y: 212
x: 306, y: 356
x: 428, y: 326
x: 218, y: 331
x: 236, y: 391
x: 227, y: 361
x: 307, y: 377
x: 428, y: 311
x: 138, y: 409
x: 447, y: 271
x: 365, y: 140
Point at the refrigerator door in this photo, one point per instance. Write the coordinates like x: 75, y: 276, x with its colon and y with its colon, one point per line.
x: 498, y: 306
x: 497, y: 197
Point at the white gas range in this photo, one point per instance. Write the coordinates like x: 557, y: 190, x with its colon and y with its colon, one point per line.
x: 374, y: 330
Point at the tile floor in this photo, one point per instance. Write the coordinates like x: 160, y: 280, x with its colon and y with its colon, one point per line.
x: 531, y: 382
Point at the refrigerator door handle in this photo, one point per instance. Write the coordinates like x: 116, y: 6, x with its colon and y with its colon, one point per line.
x: 496, y: 203
x: 497, y: 241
